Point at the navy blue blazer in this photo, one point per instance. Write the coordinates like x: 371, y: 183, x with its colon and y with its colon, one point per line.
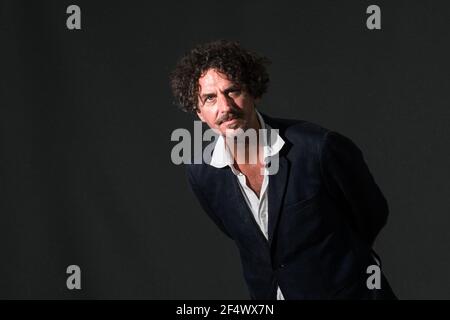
x: 325, y: 211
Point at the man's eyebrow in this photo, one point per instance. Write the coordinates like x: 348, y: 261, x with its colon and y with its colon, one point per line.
x: 226, y: 91
x: 232, y: 88
x: 207, y: 94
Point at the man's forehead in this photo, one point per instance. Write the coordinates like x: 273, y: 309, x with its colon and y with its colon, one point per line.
x: 213, y: 79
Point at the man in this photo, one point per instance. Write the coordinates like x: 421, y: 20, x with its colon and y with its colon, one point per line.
x: 304, y: 230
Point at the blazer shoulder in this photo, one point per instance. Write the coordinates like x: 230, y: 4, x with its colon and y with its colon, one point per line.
x: 299, y: 131
x: 199, y: 173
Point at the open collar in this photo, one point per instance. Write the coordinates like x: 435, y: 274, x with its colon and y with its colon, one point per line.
x: 272, y: 143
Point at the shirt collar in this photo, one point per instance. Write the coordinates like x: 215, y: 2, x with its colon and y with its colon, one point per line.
x: 272, y: 142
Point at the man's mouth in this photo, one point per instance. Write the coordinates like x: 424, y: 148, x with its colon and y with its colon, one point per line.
x: 229, y: 119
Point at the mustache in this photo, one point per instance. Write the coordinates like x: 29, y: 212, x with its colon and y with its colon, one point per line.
x: 234, y: 114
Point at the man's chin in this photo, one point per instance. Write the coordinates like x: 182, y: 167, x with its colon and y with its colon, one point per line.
x: 233, y: 132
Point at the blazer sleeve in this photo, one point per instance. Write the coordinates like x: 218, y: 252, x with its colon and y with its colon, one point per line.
x: 203, y: 202
x: 350, y: 182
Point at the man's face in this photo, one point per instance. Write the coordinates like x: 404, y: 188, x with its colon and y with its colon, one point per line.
x: 223, y: 105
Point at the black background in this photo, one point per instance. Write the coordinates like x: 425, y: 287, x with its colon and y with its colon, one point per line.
x: 86, y: 117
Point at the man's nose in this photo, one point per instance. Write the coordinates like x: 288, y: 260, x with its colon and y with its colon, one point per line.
x: 225, y: 103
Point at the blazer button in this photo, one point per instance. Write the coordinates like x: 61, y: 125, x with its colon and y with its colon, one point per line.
x: 281, y: 266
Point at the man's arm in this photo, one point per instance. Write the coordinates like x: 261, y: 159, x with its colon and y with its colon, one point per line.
x: 349, y: 180
x: 203, y: 203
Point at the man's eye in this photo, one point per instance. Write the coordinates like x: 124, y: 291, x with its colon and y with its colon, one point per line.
x: 235, y: 92
x: 209, y: 98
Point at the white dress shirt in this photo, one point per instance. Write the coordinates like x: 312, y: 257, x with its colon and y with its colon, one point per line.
x: 222, y: 157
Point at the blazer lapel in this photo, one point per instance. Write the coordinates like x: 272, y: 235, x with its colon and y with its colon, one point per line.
x: 277, y: 187
x: 239, y: 210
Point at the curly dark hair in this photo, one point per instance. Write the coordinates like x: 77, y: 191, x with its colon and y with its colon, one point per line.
x: 245, y: 68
